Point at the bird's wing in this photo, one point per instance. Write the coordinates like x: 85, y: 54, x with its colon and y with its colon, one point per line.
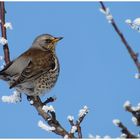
x: 41, y: 62
x: 15, y: 67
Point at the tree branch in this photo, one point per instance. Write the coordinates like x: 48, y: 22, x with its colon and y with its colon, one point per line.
x: 59, y: 130
x: 124, y: 130
x: 3, y: 31
x: 131, y: 52
x: 135, y: 111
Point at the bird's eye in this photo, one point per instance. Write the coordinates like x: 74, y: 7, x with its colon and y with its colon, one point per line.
x: 48, y: 41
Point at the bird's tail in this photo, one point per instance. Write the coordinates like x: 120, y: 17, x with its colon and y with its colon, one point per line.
x: 3, y: 73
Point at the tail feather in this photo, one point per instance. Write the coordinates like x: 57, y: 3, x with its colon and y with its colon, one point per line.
x: 3, y: 74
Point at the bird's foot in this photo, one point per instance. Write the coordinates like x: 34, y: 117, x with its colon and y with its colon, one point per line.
x: 33, y: 99
x: 36, y: 99
x: 49, y: 100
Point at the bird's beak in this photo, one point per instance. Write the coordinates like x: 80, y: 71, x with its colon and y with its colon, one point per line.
x: 56, y: 39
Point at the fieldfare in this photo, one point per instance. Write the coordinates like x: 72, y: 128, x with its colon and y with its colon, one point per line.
x: 36, y: 70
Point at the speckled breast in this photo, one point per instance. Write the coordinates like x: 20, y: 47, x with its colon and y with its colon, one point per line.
x: 46, y: 82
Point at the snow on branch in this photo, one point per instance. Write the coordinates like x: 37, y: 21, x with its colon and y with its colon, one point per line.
x: 127, y: 105
x: 48, y: 108
x: 73, y: 129
x: 70, y: 118
x: 135, y: 24
x: 134, y: 110
x: 45, y: 127
x: 116, y: 122
x: 137, y: 76
x: 14, y: 98
x: 124, y: 129
x: 75, y: 126
x: 83, y: 111
x: 107, y: 13
x: 8, y: 25
x: 3, y: 41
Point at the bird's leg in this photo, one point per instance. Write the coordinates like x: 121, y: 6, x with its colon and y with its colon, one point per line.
x: 37, y: 99
x: 33, y: 98
x: 50, y: 99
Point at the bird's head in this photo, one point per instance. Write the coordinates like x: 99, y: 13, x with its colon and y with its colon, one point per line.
x: 46, y: 42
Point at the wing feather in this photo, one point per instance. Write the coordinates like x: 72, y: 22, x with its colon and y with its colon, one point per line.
x: 41, y: 62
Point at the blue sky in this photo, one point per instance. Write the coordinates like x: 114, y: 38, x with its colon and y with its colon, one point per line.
x: 96, y: 69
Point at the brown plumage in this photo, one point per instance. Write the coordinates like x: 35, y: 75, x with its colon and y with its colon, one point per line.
x: 35, y: 71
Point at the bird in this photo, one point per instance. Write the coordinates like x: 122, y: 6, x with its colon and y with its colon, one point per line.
x: 35, y: 71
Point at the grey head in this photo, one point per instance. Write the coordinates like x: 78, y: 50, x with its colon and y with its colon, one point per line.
x: 46, y: 42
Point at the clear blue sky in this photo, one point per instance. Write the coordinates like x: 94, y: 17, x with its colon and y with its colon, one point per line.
x: 96, y: 69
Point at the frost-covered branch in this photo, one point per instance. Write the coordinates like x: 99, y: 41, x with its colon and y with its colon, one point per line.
x: 135, y: 24
x: 3, y: 39
x: 125, y: 132
x: 49, y: 115
x: 82, y: 113
x: 75, y: 126
x: 131, y: 52
x: 135, y: 111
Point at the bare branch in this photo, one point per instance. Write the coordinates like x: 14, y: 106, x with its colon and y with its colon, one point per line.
x: 4, y: 35
x: 79, y: 121
x: 124, y: 130
x: 79, y: 131
x: 135, y: 111
x: 71, y: 122
x: 131, y: 52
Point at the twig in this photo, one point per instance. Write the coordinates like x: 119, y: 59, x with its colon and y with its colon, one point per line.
x: 82, y: 113
x: 126, y: 131
x: 136, y: 114
x: 4, y: 35
x: 135, y: 111
x: 71, y: 122
x: 131, y: 52
x: 79, y: 131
